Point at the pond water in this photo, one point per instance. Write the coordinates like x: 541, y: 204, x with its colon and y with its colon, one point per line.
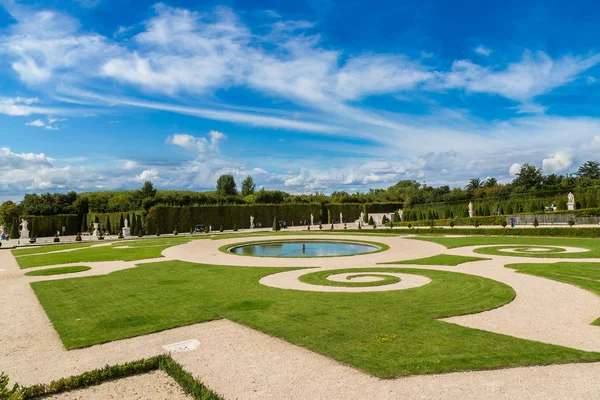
x: 307, y: 248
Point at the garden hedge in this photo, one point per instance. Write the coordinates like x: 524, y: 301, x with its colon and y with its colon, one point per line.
x: 166, y: 219
x: 539, y: 232
x: 48, y: 225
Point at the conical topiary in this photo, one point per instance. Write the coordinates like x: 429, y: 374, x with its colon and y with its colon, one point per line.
x: 276, y: 226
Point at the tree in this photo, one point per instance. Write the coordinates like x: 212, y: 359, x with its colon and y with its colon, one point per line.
x: 148, y: 190
x: 139, y: 227
x: 536, y: 222
x: 276, y: 226
x: 84, y: 224
x: 589, y: 169
x: 8, y: 211
x: 474, y: 183
x: 529, y: 177
x: 14, y: 229
x: 121, y: 223
x: 248, y: 186
x: 490, y: 182
x: 226, y: 185
x: 107, y: 226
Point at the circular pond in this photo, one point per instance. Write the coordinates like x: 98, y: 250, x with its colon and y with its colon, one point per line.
x: 303, y: 248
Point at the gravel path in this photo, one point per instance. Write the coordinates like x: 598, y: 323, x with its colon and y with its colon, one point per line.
x: 239, y: 362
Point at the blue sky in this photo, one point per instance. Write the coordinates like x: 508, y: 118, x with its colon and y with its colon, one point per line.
x: 305, y: 96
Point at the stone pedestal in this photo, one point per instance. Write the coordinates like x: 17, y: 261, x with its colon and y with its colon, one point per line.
x: 96, y: 231
x: 471, y: 213
x: 126, y: 231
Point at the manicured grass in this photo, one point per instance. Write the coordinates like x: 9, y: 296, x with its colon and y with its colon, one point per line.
x: 344, y: 326
x: 582, y: 274
x: 320, y: 278
x: 593, y: 245
x: 49, y: 248
x: 58, y: 271
x: 440, y: 259
x: 379, y: 247
x: 138, y: 250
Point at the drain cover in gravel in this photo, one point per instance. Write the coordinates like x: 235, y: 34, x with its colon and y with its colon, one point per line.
x: 181, y: 347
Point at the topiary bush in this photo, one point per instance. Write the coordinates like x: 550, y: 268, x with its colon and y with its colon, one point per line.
x: 78, y: 237
x: 235, y: 228
x: 320, y: 226
x: 276, y: 226
x: 331, y: 226
x: 157, y: 232
x: 504, y: 223
x: 221, y: 228
x: 206, y: 230
x: 452, y: 224
x: 371, y: 222
x: 571, y: 222
x: 409, y: 225
x: 536, y: 223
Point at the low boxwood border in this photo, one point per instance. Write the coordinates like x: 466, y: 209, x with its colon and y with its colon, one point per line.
x: 164, y: 362
x: 379, y: 246
x: 319, y: 278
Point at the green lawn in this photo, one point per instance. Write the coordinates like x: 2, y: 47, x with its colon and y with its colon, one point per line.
x: 584, y: 275
x: 320, y: 278
x: 135, y: 250
x: 440, y: 259
x: 345, y: 326
x: 57, y: 271
x: 593, y: 245
x: 49, y: 248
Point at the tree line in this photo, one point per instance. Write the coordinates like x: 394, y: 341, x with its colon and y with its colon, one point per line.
x: 529, y: 181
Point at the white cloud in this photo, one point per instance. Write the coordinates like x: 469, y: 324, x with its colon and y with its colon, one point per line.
x: 557, y: 163
x: 201, y: 144
x: 534, y: 75
x: 51, y: 128
x: 38, y: 123
x: 514, y: 169
x: 128, y: 165
x: 484, y: 51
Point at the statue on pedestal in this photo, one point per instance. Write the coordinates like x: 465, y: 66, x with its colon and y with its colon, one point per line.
x: 341, y: 219
x: 24, y: 230
x: 312, y: 219
x: 471, y: 212
x: 126, y: 228
x: 251, y: 222
x: 571, y: 202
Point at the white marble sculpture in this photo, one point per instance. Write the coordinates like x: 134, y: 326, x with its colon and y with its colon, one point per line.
x: 126, y: 228
x: 471, y: 212
x: 24, y: 230
x: 96, y: 232
x: 251, y: 222
x: 362, y: 217
x: 312, y: 219
x: 341, y: 219
x: 401, y: 215
x: 571, y: 202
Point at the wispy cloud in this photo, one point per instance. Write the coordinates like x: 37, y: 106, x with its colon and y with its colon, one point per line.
x: 484, y: 51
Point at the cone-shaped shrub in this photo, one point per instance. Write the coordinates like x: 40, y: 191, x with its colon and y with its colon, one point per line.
x: 84, y: 224
x: 78, y: 237
x: 107, y: 226
x: 14, y: 229
x: 221, y: 228
x: 371, y: 222
x: 276, y: 224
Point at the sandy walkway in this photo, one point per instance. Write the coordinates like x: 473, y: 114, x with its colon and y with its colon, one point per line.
x: 242, y: 363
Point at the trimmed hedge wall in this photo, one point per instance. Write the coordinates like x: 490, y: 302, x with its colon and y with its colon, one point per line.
x: 48, y: 225
x: 533, y: 232
x: 115, y: 219
x: 496, y: 220
x: 382, y: 207
x: 165, y: 219
x: 351, y: 211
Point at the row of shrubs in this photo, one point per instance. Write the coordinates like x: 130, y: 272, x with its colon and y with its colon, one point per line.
x: 544, y: 232
x: 163, y: 362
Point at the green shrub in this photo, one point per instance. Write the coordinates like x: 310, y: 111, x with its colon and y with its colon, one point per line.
x: 384, y: 220
x: 409, y: 225
x: 452, y: 224
x: 191, y: 230
x: 371, y: 221
x: 15, y: 393
x: 320, y: 226
x: 108, y: 226
x: 235, y: 228
x: 157, y: 232
x: 374, y: 225
x: 14, y: 229
x: 276, y: 226
x: 536, y: 223
x: 206, y: 230
x: 78, y: 237
x: 332, y: 226
x: 221, y: 228
x: 571, y: 222
x: 504, y: 223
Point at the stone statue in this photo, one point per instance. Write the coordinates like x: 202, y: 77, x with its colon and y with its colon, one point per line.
x: 126, y: 228
x: 471, y: 213
x: 312, y: 219
x: 251, y: 222
x: 24, y: 230
x: 96, y: 231
x: 341, y: 219
x: 571, y: 202
x: 362, y: 216
x: 401, y: 215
